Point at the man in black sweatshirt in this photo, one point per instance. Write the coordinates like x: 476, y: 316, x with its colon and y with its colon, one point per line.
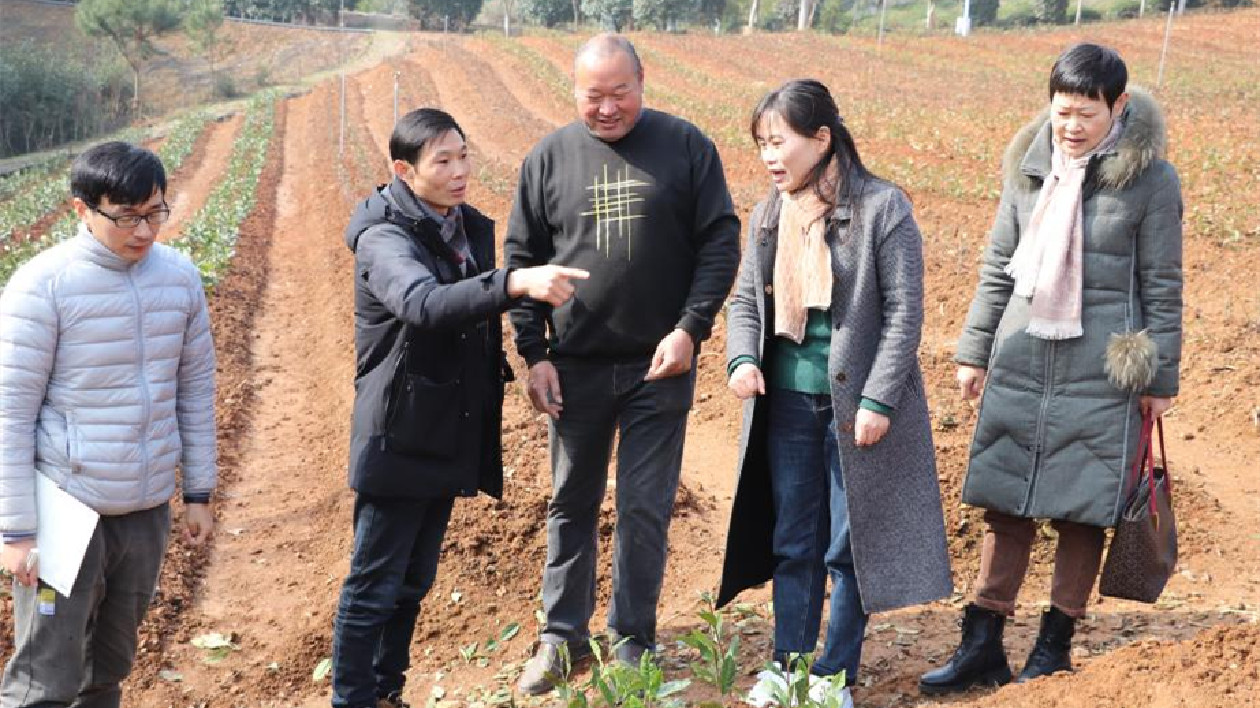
x: 637, y: 198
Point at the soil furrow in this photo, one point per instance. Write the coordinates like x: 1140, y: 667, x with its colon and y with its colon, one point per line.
x: 196, y: 179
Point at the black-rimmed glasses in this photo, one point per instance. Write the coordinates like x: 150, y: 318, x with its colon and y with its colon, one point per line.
x: 157, y: 217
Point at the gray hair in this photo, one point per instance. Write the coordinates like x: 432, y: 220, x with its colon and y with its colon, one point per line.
x: 605, y: 45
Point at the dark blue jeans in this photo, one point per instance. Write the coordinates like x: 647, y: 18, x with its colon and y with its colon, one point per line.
x: 811, y: 535
x: 397, y: 544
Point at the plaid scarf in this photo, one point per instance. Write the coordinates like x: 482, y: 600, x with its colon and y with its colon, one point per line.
x: 1047, y: 264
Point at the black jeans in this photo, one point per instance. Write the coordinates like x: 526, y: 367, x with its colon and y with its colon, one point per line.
x: 397, y: 544
x: 650, y: 418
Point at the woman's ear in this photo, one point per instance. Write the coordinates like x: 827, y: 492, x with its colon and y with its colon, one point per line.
x: 823, y: 138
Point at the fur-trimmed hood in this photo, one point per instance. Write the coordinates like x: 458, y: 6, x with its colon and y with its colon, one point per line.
x: 1144, y: 140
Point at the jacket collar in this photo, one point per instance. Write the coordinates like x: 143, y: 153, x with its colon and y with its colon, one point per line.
x: 97, y: 252
x: 1145, y: 140
x: 477, y: 227
x: 843, y: 210
x: 768, y: 241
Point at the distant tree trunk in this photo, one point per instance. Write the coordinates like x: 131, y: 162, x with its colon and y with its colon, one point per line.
x: 752, y: 16
x: 803, y: 17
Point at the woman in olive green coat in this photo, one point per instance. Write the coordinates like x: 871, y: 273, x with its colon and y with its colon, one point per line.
x: 1074, y: 333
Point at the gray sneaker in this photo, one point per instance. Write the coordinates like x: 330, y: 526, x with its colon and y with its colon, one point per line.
x: 630, y: 653
x: 547, y: 668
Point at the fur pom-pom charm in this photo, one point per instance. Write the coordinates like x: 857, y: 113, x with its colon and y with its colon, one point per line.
x: 1130, y: 361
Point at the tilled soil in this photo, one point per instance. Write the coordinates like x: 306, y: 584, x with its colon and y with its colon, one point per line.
x: 196, y: 179
x: 284, y: 327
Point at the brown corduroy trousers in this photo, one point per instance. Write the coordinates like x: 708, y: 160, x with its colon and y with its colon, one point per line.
x: 1004, y: 562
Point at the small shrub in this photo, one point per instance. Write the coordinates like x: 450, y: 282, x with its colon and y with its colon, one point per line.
x: 225, y: 86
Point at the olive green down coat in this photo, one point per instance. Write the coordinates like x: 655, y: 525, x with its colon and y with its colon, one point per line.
x: 1055, y: 438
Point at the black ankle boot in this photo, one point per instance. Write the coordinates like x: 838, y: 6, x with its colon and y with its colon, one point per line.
x: 1053, y: 651
x: 979, y: 659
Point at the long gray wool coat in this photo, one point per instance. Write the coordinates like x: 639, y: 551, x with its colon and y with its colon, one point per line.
x: 897, y: 527
x: 1055, y: 438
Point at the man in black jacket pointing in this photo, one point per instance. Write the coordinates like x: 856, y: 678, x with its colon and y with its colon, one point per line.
x: 428, y: 391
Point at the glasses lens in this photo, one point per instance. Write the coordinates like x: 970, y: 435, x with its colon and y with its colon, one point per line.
x: 128, y: 221
x: 159, y: 217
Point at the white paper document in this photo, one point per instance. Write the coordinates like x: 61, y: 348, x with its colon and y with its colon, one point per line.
x: 64, y: 527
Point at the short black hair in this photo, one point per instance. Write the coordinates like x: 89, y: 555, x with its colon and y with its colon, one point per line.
x: 127, y: 174
x: 1089, y: 70
x: 414, y: 130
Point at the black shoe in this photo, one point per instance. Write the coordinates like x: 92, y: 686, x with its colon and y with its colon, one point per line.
x: 979, y: 659
x: 393, y: 700
x: 1053, y: 651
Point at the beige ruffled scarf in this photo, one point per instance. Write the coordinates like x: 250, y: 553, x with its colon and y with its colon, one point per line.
x: 1047, y: 264
x: 802, y: 263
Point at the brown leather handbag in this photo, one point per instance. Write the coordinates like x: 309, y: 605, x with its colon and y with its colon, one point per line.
x: 1143, y: 549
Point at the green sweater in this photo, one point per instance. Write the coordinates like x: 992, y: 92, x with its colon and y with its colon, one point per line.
x: 803, y: 367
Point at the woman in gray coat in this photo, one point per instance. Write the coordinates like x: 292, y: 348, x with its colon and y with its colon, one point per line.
x: 1074, y: 334
x: 837, y: 466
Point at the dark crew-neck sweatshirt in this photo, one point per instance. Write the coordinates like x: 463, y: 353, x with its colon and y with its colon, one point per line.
x: 648, y: 215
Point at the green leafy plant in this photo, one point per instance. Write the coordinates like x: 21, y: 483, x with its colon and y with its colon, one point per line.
x: 210, y: 237
x: 642, y: 686
x: 718, y: 649
x: 480, y: 651
x: 571, y: 695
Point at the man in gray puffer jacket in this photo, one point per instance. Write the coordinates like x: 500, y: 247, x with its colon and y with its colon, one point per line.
x: 106, y: 386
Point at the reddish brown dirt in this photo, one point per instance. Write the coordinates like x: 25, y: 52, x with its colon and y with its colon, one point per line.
x: 1220, y: 667
x: 197, y: 177
x: 281, y: 549
x: 232, y: 313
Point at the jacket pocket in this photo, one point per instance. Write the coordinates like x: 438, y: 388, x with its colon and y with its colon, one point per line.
x: 422, y: 416
x: 74, y: 446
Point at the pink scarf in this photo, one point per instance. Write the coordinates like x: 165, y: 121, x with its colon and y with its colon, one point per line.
x: 1047, y: 264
